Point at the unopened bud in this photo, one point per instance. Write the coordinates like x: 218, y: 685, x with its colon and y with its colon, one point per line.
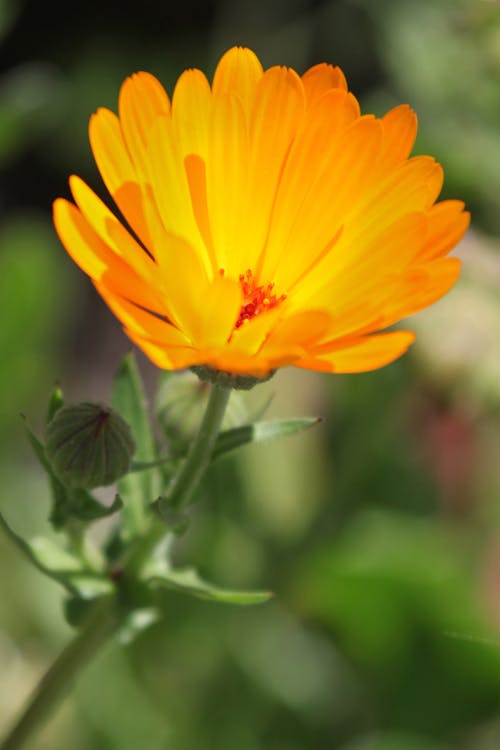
x: 88, y: 445
x: 180, y: 404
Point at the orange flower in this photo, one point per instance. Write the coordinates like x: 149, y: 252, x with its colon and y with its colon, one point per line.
x: 266, y: 222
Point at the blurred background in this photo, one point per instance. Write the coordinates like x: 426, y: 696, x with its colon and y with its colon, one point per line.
x: 379, y: 531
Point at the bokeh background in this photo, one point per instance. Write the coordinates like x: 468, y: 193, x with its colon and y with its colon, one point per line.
x: 379, y: 531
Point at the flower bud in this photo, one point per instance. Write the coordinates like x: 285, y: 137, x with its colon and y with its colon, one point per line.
x: 88, y: 445
x: 180, y: 404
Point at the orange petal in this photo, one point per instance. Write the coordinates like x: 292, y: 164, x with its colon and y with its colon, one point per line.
x: 320, y: 79
x: 172, y: 358
x: 363, y: 354
x: 109, y: 229
x: 447, y: 224
x: 323, y: 178
x: 141, y: 321
x: 420, y: 287
x: 400, y: 130
x: 97, y: 260
x: 276, y: 117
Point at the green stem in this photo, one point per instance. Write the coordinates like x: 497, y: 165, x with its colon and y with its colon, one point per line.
x: 188, y: 477
x: 54, y: 685
x: 200, y: 452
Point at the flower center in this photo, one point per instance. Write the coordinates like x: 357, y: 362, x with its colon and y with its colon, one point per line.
x: 258, y: 298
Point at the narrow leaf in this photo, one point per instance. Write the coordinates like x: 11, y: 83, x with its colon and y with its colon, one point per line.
x: 136, y: 489
x: 259, y: 432
x: 59, y: 564
x: 188, y: 581
x: 58, y: 514
x: 84, y: 506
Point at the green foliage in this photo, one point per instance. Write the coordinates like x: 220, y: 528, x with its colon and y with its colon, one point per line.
x: 138, y: 490
x: 259, y: 432
x: 188, y: 581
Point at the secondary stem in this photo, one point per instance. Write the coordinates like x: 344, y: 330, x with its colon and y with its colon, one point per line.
x: 187, y: 479
x: 100, y: 625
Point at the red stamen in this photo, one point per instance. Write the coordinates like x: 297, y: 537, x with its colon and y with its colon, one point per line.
x: 258, y: 298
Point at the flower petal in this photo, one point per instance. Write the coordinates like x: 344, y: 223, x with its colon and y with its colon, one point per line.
x: 110, y: 230
x: 142, y: 99
x: 238, y: 73
x: 191, y: 107
x: 118, y: 172
x: 171, y: 188
x: 320, y: 182
x: 321, y: 78
x: 400, y: 130
x: 227, y: 181
x: 363, y: 354
x: 97, y: 260
x: 447, y: 224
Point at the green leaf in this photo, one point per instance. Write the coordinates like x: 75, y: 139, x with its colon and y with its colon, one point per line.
x: 188, y: 581
x: 58, y: 514
x: 259, y: 432
x: 60, y: 565
x: 56, y: 402
x: 136, y: 489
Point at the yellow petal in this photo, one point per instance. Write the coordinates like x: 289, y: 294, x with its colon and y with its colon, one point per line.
x: 191, y: 107
x: 171, y: 188
x: 227, y: 181
x: 142, y: 99
x: 238, y: 74
x: 117, y: 170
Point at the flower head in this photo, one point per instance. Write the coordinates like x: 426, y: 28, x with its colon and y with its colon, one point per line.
x: 266, y: 222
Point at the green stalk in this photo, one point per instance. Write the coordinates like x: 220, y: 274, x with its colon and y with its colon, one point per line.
x: 56, y: 682
x: 200, y: 452
x: 188, y: 477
